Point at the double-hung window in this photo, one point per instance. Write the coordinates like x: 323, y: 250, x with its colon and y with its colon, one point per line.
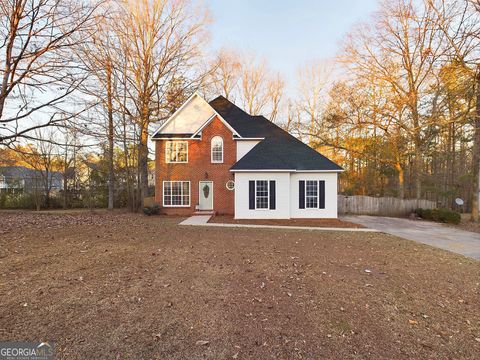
x: 261, y: 194
x: 176, y: 193
x: 217, y: 149
x: 311, y: 194
x: 176, y: 152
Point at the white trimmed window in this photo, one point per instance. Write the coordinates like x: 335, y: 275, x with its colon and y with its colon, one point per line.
x: 217, y: 149
x: 261, y: 194
x: 311, y: 194
x: 176, y: 193
x: 176, y: 152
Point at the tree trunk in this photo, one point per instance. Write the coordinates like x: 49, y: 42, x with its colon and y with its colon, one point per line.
x: 401, y: 180
x: 143, y: 165
x: 476, y: 154
x: 111, y: 175
x: 65, y: 183
x: 417, y: 161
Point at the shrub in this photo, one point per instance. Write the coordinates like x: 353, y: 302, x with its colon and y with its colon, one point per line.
x: 151, y: 210
x: 439, y: 215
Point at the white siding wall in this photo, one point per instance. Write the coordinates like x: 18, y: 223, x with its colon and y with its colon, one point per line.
x: 287, y: 202
x: 244, y: 146
x: 282, y: 185
x: 330, y: 210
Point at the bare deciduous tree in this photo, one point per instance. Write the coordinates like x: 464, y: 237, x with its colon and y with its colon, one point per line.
x: 38, y: 70
x: 160, y: 42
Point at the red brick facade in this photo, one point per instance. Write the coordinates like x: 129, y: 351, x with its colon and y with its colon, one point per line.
x: 199, y: 167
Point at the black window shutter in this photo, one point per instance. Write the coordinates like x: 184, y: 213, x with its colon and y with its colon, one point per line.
x: 301, y: 194
x: 251, y: 194
x: 272, y: 195
x: 321, y: 193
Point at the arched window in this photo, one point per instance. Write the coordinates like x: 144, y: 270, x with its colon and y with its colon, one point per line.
x: 217, y: 149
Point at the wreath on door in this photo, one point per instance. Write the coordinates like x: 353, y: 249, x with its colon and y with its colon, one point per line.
x: 206, y: 191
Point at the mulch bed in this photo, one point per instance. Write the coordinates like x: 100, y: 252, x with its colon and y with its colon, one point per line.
x: 290, y: 222
x: 125, y: 286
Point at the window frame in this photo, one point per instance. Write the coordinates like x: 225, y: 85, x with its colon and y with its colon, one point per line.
x: 267, y: 196
x: 311, y: 196
x: 211, y: 150
x: 177, y: 144
x: 181, y: 195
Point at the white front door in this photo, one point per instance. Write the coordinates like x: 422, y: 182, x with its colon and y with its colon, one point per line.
x: 205, y: 195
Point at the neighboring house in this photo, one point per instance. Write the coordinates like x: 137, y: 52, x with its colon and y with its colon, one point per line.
x: 151, y: 177
x: 20, y: 178
x: 214, y: 156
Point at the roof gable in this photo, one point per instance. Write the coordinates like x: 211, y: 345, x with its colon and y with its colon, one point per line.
x: 194, y: 113
x: 278, y: 150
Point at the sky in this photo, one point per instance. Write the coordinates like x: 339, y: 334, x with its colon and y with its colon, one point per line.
x: 287, y: 34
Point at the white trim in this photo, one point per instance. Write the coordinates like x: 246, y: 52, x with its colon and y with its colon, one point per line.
x: 268, y: 195
x: 205, y: 181
x: 230, y: 181
x: 287, y: 170
x: 176, y: 138
x: 245, y: 138
x: 175, y: 113
x: 211, y: 119
x: 189, y: 193
x: 167, y: 160
x: 195, y: 94
x: 211, y: 150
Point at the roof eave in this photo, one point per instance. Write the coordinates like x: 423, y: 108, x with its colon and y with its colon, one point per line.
x: 288, y: 170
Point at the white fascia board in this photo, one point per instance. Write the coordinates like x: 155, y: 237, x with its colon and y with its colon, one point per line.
x: 288, y: 170
x: 246, y: 139
x: 195, y: 94
x: 175, y: 138
x: 211, y: 119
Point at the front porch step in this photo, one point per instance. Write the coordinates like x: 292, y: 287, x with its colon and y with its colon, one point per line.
x: 204, y: 212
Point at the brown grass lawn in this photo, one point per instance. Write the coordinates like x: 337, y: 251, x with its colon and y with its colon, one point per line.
x: 123, y: 286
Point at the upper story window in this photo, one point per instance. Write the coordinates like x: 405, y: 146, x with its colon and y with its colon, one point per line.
x: 217, y: 149
x: 176, y: 152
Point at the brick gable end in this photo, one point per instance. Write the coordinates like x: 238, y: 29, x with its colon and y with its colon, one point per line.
x: 198, y: 168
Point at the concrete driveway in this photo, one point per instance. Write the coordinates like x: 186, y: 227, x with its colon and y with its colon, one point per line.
x: 430, y: 233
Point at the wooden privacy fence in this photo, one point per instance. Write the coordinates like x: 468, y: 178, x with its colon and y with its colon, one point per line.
x: 383, y: 206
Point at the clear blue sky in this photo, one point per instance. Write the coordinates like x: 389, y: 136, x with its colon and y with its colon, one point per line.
x: 286, y: 33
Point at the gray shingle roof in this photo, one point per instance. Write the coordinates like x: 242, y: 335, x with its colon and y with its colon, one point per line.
x: 278, y: 151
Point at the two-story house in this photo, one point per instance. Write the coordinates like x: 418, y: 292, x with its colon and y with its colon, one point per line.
x: 216, y: 157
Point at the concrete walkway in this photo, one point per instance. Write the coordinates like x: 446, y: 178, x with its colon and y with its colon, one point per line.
x: 430, y: 233
x: 201, y: 220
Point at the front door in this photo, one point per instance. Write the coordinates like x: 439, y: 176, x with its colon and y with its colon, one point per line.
x: 205, y: 196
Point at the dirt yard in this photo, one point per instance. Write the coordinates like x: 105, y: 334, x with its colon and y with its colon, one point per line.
x: 467, y: 225
x: 291, y: 222
x: 121, y: 286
